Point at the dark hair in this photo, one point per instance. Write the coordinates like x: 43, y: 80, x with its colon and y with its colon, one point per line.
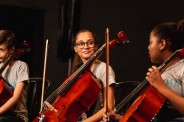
x: 77, y: 62
x: 82, y: 31
x: 7, y: 37
x: 172, y: 32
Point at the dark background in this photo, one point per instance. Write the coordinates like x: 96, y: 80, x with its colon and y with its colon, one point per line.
x: 27, y: 24
x: 58, y: 20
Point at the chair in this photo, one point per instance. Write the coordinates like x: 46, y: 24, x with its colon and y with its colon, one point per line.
x: 122, y: 89
x: 34, y: 96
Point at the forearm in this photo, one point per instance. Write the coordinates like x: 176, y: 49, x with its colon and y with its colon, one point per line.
x: 96, y: 117
x: 14, y: 99
x: 8, y: 105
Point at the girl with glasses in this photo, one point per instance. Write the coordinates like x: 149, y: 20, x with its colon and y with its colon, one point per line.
x: 85, y: 46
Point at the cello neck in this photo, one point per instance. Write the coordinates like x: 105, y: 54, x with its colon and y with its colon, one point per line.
x: 8, y: 60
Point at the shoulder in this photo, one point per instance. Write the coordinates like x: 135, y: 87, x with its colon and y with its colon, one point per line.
x: 19, y: 63
x: 177, y: 69
x: 102, y: 65
x: 180, y: 64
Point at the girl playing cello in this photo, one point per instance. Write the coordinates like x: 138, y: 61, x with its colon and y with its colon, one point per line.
x: 85, y: 45
x: 165, y: 39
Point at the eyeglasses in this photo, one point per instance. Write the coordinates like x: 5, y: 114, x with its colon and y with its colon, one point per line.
x: 81, y: 45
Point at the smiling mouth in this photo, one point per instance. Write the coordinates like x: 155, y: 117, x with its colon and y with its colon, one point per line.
x: 86, y: 52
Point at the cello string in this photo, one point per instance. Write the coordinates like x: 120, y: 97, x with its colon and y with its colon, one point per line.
x: 63, y: 86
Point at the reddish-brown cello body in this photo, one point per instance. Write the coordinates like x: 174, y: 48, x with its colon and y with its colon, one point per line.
x: 145, y: 108
x: 80, y: 97
x: 1, y: 86
x: 5, y: 95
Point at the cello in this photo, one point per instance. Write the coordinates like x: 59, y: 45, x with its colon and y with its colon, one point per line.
x: 139, y: 110
x: 6, y: 90
x: 77, y: 93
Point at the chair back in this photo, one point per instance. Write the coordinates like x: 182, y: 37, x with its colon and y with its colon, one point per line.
x: 34, y: 96
x: 122, y: 89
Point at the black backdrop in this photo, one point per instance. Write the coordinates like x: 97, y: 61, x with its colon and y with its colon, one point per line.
x: 27, y: 24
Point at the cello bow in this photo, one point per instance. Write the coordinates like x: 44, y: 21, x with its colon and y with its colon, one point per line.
x: 107, y: 69
x: 44, y: 74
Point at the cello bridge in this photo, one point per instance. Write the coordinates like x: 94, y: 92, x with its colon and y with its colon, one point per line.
x: 49, y: 106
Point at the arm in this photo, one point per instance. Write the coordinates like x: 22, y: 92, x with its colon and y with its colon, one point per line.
x: 155, y: 79
x: 99, y: 115
x: 112, y: 116
x: 14, y: 99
